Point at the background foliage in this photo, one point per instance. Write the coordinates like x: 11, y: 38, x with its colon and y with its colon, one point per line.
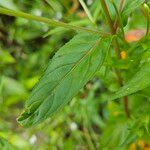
x: 89, y: 121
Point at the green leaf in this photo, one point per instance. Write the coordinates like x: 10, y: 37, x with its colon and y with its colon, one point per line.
x: 69, y: 70
x: 140, y: 81
x: 145, y: 93
x: 5, y: 145
x: 8, y: 4
x: 86, y: 10
x: 16, y: 88
x: 130, y: 6
x: 111, y: 8
x: 83, y: 22
x: 5, y: 57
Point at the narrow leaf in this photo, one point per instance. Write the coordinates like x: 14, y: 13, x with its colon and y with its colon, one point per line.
x: 61, y: 30
x: 6, y: 145
x: 130, y: 6
x: 86, y: 10
x: 8, y: 4
x: 140, y: 81
x: 69, y: 70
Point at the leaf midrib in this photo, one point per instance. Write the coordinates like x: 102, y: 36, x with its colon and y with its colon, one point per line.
x: 76, y: 64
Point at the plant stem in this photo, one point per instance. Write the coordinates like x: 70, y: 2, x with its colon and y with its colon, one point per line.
x: 116, y: 44
x: 145, y: 11
x: 126, y: 106
x: 87, y: 11
x: 119, y: 18
x: 49, y: 21
x: 110, y: 23
x: 122, y: 2
x: 88, y: 138
x: 148, y: 22
x: 120, y: 81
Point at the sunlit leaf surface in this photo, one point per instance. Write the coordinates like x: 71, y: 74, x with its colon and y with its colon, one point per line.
x: 70, y: 69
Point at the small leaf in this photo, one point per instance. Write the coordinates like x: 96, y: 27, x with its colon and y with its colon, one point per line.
x: 8, y: 4
x: 145, y: 93
x: 16, y: 87
x: 130, y: 6
x: 83, y: 22
x: 86, y: 10
x: 140, y: 81
x: 5, y: 57
x: 69, y: 70
x: 5, y: 145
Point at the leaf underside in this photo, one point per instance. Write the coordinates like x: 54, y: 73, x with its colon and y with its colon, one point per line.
x: 69, y: 70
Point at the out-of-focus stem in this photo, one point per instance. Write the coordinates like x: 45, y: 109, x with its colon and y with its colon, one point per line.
x: 126, y: 105
x: 116, y: 45
x: 110, y: 23
x: 122, y: 2
x: 119, y: 18
x: 49, y: 21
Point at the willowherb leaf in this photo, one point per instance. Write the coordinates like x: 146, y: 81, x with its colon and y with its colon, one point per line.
x: 130, y: 6
x: 140, y: 81
x: 69, y: 70
x: 61, y: 30
x: 4, y: 144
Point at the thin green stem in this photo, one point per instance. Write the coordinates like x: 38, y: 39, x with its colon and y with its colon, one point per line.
x: 110, y: 22
x: 119, y: 18
x: 49, y: 21
x: 86, y: 131
x: 148, y: 25
x: 87, y: 11
x: 122, y: 2
x: 146, y: 12
x: 116, y: 45
x: 88, y: 138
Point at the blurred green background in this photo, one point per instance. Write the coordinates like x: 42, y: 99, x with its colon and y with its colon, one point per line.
x: 88, y: 121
